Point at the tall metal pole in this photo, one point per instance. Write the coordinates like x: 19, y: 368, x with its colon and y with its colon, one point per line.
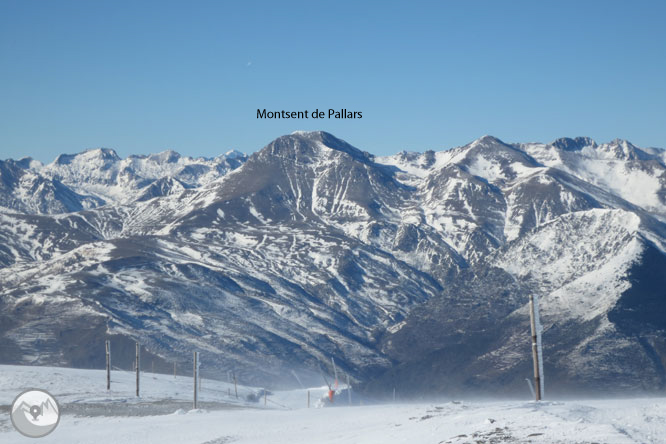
x: 108, y: 365
x: 194, y: 371
x: 535, y: 351
x: 138, y: 366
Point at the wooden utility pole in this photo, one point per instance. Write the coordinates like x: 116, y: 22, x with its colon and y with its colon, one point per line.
x: 535, y: 351
x: 348, y: 390
x: 108, y: 365
x: 174, y: 370
x: 195, y: 371
x: 138, y: 366
x: 235, y: 385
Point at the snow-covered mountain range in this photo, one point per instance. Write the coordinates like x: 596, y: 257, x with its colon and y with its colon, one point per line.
x: 98, y: 177
x: 412, y: 270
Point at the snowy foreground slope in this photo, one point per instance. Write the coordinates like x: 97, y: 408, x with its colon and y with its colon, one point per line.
x: 411, y: 271
x: 286, y: 419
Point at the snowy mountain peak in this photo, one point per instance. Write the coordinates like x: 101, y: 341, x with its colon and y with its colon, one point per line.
x: 303, y: 144
x: 487, y: 140
x: 105, y: 155
x: 234, y: 154
x: 575, y: 144
x: 29, y: 163
x: 168, y: 156
x: 625, y: 150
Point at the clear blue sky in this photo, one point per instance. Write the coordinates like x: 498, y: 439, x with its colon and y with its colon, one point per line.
x: 142, y: 77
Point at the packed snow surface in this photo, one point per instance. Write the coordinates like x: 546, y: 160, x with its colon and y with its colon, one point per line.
x: 286, y: 419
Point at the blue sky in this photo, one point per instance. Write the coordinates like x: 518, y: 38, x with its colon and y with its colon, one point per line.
x: 143, y: 77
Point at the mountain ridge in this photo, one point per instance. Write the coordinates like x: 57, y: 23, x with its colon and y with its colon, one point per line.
x: 311, y: 248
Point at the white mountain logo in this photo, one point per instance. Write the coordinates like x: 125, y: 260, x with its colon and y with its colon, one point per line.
x: 35, y: 413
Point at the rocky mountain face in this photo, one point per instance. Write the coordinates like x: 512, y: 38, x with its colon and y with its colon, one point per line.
x: 412, y: 271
